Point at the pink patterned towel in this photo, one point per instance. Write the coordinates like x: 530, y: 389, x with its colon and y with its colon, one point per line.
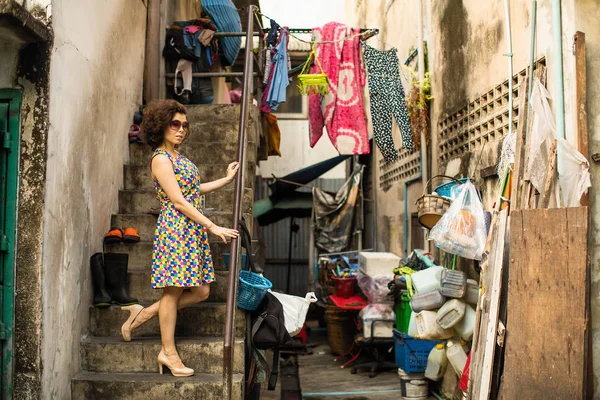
x: 341, y: 111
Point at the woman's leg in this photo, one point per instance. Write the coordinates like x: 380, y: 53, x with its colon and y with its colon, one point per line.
x: 196, y: 295
x: 167, y: 315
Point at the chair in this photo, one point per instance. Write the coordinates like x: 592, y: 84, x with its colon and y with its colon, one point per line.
x: 378, y: 348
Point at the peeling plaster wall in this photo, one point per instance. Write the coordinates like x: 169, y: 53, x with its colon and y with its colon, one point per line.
x: 467, y: 59
x: 96, y: 85
x: 587, y: 12
x: 31, y: 77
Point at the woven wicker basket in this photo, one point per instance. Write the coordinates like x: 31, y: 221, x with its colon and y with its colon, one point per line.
x: 341, y: 329
x: 430, y: 207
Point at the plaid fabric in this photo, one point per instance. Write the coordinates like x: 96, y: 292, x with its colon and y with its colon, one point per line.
x: 227, y: 19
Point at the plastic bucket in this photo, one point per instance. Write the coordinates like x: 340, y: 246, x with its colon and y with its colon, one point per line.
x: 413, y: 386
x: 344, y: 287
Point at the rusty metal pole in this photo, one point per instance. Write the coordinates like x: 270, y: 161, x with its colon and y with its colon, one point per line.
x: 237, y: 207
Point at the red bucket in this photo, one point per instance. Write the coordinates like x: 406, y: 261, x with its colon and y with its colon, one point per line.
x: 344, y: 287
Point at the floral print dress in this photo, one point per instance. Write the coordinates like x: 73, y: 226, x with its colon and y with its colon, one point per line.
x: 181, y: 255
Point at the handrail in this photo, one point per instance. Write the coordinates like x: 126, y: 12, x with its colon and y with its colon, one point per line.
x: 237, y: 207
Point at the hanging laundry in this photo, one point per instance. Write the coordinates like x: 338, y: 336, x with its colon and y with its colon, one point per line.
x: 268, y: 65
x: 206, y: 36
x: 190, y: 39
x: 272, y: 135
x: 387, y: 100
x: 271, y: 40
x: 279, y: 80
x: 336, y: 215
x: 192, y: 29
x: 342, y: 110
x: 227, y: 19
x: 185, y: 68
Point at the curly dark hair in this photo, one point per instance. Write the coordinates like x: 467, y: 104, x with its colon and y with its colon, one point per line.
x: 157, y: 115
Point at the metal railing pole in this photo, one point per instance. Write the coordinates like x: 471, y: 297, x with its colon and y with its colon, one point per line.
x: 237, y: 207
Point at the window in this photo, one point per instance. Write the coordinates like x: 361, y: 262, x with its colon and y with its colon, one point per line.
x: 296, y: 105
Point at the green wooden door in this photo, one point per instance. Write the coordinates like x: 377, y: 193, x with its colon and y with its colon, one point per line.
x: 10, y: 112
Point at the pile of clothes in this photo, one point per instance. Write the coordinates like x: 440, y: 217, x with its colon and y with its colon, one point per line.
x: 190, y: 47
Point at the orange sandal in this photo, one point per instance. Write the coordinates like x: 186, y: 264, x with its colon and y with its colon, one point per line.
x: 114, y: 235
x: 131, y: 236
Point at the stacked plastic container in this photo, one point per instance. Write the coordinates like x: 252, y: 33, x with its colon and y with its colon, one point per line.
x: 441, y: 323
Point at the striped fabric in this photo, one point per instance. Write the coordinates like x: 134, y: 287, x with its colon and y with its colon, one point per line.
x: 226, y: 17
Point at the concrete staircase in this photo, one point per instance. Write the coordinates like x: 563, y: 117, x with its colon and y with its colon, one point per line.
x: 114, y: 369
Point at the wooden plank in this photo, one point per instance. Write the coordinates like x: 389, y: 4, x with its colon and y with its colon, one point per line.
x: 519, y: 150
x: 581, y: 100
x: 546, y: 305
x: 550, y: 176
x: 489, y: 320
x: 476, y: 356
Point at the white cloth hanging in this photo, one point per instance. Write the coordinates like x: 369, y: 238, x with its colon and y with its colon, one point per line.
x: 573, y: 168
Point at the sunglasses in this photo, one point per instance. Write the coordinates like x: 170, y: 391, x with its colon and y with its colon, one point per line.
x: 177, y: 124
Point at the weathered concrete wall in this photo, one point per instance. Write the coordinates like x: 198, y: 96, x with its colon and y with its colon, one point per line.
x: 32, y: 77
x: 96, y: 85
x: 587, y: 12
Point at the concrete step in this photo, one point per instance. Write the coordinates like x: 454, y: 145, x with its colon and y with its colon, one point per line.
x: 112, y: 354
x: 151, y: 386
x: 197, y: 150
x: 137, y: 176
x: 146, y: 202
x: 204, y: 319
x: 146, y: 223
x: 139, y: 287
x: 140, y: 254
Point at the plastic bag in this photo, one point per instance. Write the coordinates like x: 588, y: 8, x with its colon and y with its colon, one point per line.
x: 378, y: 311
x: 294, y: 310
x: 375, y: 288
x: 573, y: 167
x: 461, y: 230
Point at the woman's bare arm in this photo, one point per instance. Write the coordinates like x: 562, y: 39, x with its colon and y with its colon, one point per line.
x: 162, y: 170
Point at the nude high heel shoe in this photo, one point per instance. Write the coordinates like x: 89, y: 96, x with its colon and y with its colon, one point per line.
x: 163, y: 360
x: 134, y: 311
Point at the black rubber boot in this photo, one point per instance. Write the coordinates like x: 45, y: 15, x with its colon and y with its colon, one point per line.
x: 101, y: 297
x: 115, y: 266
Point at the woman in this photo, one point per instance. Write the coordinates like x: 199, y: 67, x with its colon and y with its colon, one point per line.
x: 181, y: 256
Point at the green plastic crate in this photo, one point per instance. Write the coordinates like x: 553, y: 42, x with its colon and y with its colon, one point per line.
x: 403, y: 313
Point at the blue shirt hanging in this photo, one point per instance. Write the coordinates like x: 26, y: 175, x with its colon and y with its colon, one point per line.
x: 280, y: 81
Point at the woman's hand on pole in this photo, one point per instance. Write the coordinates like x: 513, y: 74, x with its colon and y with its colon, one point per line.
x: 232, y: 170
x: 223, y: 233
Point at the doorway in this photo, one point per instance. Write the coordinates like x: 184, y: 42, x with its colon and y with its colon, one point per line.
x: 10, y: 119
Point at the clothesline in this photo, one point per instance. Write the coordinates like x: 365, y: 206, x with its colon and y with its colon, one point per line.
x: 368, y: 34
x: 302, y: 185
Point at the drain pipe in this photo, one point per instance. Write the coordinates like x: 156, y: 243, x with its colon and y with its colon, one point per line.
x: 510, y: 65
x: 424, y: 147
x: 559, y: 87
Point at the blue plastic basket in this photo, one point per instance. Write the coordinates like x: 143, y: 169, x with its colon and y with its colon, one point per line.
x: 412, y: 353
x: 251, y: 290
x: 445, y: 189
